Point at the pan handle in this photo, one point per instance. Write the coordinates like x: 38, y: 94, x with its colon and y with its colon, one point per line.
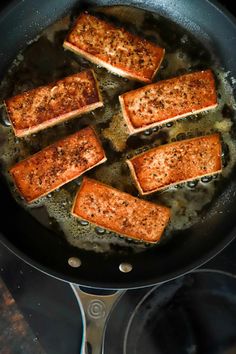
x: 95, y: 311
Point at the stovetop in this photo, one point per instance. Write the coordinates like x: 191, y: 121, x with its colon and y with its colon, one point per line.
x: 170, y: 318
x: 51, y: 309
x: 48, y: 305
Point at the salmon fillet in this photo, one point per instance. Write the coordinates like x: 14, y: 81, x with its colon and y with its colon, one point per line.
x: 120, y: 212
x: 57, y: 164
x: 54, y: 103
x: 168, y: 100
x: 114, y: 48
x: 174, y: 163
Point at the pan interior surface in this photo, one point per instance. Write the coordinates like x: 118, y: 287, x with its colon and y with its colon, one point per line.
x: 188, y: 242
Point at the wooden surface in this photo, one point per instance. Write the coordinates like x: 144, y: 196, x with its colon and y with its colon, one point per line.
x: 16, y: 337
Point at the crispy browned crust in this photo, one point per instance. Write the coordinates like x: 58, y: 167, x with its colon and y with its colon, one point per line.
x: 57, y: 164
x: 120, y: 212
x: 114, y: 48
x: 51, y: 104
x: 170, y: 164
x: 168, y: 100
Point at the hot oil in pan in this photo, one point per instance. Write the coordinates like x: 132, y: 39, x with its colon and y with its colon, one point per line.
x: 44, y: 60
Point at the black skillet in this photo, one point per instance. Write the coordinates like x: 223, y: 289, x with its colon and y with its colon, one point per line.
x: 20, y: 22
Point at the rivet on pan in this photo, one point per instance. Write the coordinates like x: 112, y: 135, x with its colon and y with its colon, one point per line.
x: 125, y: 267
x: 74, y: 262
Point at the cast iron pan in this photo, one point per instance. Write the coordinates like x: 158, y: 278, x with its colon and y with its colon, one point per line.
x: 38, y: 246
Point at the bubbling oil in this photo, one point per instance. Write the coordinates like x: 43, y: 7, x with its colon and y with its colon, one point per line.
x: 44, y: 60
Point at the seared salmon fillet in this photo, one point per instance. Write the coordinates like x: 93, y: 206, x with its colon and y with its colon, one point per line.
x: 57, y: 164
x: 168, y: 100
x: 120, y: 212
x: 174, y: 163
x: 54, y: 103
x: 114, y: 48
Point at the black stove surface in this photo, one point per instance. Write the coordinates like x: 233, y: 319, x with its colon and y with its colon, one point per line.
x: 193, y: 314
x: 190, y: 315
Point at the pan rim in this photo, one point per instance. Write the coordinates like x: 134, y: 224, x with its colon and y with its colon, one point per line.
x: 126, y: 284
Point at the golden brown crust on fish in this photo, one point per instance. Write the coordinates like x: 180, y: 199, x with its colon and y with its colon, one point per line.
x: 57, y: 164
x: 168, y: 100
x: 120, y: 212
x: 54, y: 103
x: 174, y: 163
x: 114, y: 48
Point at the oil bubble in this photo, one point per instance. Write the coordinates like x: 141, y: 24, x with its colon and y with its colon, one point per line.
x: 192, y: 184
x: 83, y: 222
x: 100, y: 231
x: 206, y: 179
